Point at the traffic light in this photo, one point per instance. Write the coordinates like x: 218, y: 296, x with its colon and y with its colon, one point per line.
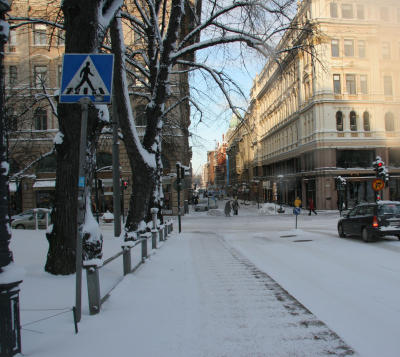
x: 380, y: 169
x: 124, y: 184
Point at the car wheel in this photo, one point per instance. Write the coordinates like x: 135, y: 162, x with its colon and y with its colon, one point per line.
x: 366, y: 236
x: 20, y: 226
x: 341, y: 231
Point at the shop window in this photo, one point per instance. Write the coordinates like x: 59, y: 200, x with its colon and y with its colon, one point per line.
x: 103, y: 160
x: 47, y: 164
x: 354, y: 158
x: 366, y: 122
x: 339, y: 121
x: 40, y: 119
x: 389, y: 122
x: 335, y: 48
x: 394, y: 157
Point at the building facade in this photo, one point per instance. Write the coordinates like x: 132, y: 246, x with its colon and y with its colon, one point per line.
x: 33, y: 70
x: 327, y: 110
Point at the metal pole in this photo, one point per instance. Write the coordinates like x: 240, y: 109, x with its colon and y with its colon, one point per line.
x: 116, y: 176
x: 96, y: 189
x: 81, y: 206
x: 178, y: 173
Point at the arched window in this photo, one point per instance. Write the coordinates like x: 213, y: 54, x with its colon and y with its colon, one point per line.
x: 353, y: 121
x: 389, y: 122
x: 339, y: 121
x: 366, y: 123
x: 40, y: 119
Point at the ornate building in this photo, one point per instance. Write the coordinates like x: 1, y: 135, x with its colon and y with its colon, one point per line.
x: 328, y: 111
x: 33, y: 69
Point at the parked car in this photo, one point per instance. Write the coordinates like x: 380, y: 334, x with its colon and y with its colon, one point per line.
x: 371, y: 221
x: 26, y: 219
x: 205, y: 204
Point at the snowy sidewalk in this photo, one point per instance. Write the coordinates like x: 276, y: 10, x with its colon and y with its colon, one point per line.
x: 196, y: 296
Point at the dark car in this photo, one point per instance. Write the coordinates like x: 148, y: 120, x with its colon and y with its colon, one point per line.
x: 371, y: 221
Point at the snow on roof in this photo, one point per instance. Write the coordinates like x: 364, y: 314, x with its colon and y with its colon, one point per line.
x: 44, y: 183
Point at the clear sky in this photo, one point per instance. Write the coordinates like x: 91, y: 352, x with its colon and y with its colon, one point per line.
x: 215, y: 113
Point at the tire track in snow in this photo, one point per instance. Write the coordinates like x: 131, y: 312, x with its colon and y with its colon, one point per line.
x: 246, y: 313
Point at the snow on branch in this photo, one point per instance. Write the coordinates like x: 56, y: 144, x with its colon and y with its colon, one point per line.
x: 22, y: 21
x: 26, y: 168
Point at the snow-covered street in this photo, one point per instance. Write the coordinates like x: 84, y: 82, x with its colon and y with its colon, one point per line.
x: 248, y: 285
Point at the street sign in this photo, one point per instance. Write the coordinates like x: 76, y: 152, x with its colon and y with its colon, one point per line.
x: 86, y: 75
x: 296, y: 211
x: 378, y: 184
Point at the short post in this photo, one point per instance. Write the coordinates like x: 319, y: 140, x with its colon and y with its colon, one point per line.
x: 160, y: 234
x: 93, y: 285
x: 126, y: 258
x: 154, y: 234
x: 35, y: 214
x: 144, y: 247
x: 165, y: 231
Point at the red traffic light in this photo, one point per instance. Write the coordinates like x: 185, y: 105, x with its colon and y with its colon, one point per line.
x: 380, y: 164
x: 125, y: 184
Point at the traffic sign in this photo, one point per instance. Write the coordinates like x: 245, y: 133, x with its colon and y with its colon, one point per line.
x: 378, y: 184
x: 296, y: 211
x: 87, y: 75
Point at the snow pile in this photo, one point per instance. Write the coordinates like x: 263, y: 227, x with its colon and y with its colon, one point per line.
x: 215, y: 212
x: 267, y: 209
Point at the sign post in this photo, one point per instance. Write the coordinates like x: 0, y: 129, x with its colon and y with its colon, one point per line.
x: 86, y: 78
x: 296, y: 212
x: 377, y: 186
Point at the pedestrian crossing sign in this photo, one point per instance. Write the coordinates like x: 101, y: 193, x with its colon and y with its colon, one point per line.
x: 86, y: 75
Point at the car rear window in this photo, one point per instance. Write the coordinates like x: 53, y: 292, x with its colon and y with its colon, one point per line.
x: 389, y: 209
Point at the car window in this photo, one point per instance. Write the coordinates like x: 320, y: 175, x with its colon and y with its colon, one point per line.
x: 389, y: 209
x: 353, y: 212
x: 369, y: 211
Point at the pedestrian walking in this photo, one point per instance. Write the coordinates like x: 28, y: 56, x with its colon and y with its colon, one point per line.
x: 228, y: 209
x: 297, y: 202
x: 235, y: 206
x: 311, y: 206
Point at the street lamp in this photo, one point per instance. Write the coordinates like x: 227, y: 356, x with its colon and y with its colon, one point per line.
x: 10, y: 329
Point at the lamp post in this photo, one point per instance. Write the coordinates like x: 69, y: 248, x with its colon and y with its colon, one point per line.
x: 10, y: 330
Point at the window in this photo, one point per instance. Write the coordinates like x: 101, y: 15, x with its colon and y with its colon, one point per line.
x: 339, y: 121
x: 349, y: 48
x: 353, y: 121
x: 351, y: 84
x: 354, y: 158
x: 334, y: 9
x: 60, y: 37
x: 387, y: 86
x: 40, y: 119
x: 360, y: 12
x: 40, y: 76
x: 59, y: 75
x: 11, y: 122
x: 363, y: 84
x: 389, y: 122
x: 384, y: 13
x: 47, y: 164
x: 13, y: 75
x: 385, y: 50
x: 140, y: 115
x: 366, y: 123
x: 347, y: 11
x: 361, y: 49
x: 12, y: 41
x: 337, y: 86
x: 39, y: 34
x: 335, y: 48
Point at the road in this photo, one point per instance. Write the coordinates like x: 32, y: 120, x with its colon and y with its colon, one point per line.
x: 354, y: 287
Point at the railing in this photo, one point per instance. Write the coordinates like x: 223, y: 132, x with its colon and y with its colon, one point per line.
x: 93, y: 268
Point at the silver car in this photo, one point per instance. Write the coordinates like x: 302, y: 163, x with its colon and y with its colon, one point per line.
x: 27, y: 219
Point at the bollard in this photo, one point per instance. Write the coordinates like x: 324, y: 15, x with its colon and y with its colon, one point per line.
x: 126, y: 257
x: 154, y: 238
x: 160, y: 233
x: 144, y: 247
x: 154, y: 212
x: 165, y: 232
x: 93, y: 284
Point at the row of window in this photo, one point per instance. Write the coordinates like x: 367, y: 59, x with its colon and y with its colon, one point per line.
x: 389, y: 121
x: 40, y: 76
x: 349, y: 47
x: 352, y: 87
x: 40, y: 37
x: 357, y: 11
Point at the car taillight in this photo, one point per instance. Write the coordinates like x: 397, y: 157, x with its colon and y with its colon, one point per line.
x: 375, y: 222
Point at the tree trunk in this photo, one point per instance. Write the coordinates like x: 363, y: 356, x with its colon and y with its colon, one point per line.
x: 82, y: 28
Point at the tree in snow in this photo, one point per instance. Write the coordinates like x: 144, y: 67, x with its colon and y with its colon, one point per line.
x: 172, y: 33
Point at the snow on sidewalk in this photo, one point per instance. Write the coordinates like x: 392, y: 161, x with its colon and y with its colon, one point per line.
x: 196, y: 296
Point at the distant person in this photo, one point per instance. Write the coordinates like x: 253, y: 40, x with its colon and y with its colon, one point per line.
x: 297, y: 202
x: 235, y: 206
x: 311, y: 206
x: 227, y: 208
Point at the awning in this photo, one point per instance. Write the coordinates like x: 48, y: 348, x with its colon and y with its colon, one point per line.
x: 40, y: 184
x: 12, y: 186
